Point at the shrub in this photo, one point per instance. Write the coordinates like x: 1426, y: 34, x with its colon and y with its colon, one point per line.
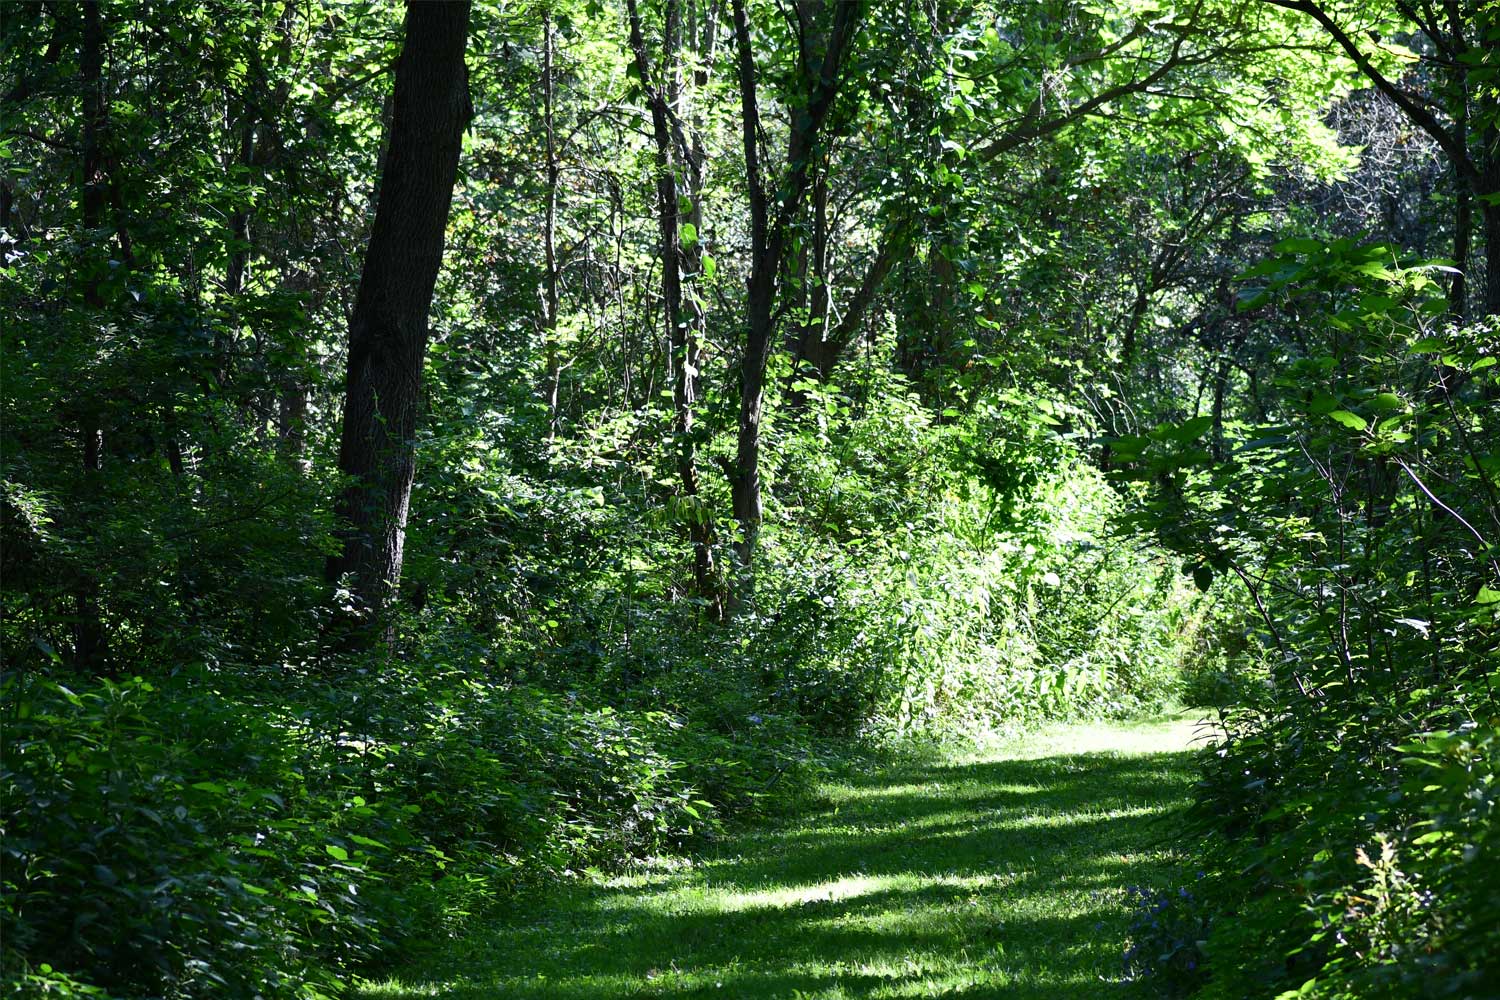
x: 1164, y: 945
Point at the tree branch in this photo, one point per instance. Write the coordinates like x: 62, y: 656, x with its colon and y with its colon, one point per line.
x: 1455, y: 149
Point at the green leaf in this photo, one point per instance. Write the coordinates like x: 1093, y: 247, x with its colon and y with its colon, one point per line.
x: 1353, y: 421
x: 1298, y: 244
x: 336, y: 852
x: 1185, y: 432
x: 1487, y: 596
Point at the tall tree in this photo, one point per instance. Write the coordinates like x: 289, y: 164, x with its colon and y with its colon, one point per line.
x: 1462, y: 37
x: 680, y: 165
x: 388, y: 331
x: 89, y: 643
x: 549, y: 220
x: 825, y: 35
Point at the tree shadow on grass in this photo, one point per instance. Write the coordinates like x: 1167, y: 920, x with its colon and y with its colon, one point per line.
x: 1000, y: 878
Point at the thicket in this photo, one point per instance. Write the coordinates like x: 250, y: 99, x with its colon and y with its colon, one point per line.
x: 1347, y: 804
x: 238, y: 812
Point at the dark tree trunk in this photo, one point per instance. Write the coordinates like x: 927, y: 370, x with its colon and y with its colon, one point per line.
x: 1492, y: 259
x: 769, y: 234
x: 239, y: 222
x: 683, y: 315
x: 238, y: 263
x: 1133, y: 324
x: 1463, y: 225
x: 549, y: 228
x: 291, y: 423
x: 818, y: 300
x: 8, y: 218
x: 388, y: 330
x: 820, y: 355
x: 1491, y: 215
x: 94, y: 193
x: 90, y: 646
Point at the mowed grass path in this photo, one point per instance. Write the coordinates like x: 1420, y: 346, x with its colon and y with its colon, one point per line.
x: 995, y: 872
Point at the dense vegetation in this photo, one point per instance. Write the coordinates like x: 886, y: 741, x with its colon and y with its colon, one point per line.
x: 451, y: 446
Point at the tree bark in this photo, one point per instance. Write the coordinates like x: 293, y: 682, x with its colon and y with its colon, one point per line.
x: 769, y: 237
x: 90, y: 647
x: 95, y: 192
x: 818, y: 299
x: 1463, y: 225
x: 388, y: 330
x: 683, y: 314
x: 549, y: 228
x: 823, y: 355
x: 1491, y: 215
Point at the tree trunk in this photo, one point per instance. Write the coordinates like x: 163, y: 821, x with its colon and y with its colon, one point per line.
x: 821, y: 355
x: 549, y: 230
x: 90, y: 646
x: 769, y: 234
x: 388, y: 330
x: 1463, y: 224
x: 1491, y: 215
x: 94, y: 193
x: 1492, y: 259
x: 239, y: 222
x: 703, y: 23
x: 817, y: 294
x: 683, y: 314
x: 291, y: 423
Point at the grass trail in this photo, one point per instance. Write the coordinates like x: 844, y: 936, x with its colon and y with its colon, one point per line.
x: 992, y: 872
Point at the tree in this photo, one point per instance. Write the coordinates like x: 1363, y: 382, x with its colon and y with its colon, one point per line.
x: 1462, y: 37
x: 823, y: 50
x: 389, y: 329
x: 680, y: 166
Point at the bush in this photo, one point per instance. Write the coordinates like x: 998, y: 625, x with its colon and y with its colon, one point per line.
x: 1347, y: 811
x: 180, y: 837
x: 164, y: 842
x: 1164, y: 945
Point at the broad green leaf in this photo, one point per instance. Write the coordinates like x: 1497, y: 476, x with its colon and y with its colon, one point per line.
x: 1353, y: 421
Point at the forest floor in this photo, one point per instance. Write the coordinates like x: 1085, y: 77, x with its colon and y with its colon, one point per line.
x: 994, y: 870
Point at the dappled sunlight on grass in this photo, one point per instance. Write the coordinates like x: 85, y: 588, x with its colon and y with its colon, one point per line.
x: 993, y: 873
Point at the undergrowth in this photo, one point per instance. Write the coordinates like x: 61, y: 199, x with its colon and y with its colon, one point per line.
x: 196, y: 825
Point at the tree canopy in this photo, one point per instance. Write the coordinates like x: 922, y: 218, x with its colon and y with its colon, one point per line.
x: 449, y: 444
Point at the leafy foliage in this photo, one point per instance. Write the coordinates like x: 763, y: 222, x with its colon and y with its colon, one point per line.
x: 1065, y: 393
x: 1331, y: 803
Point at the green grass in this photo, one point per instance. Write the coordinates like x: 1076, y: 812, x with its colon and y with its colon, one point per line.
x: 995, y: 871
